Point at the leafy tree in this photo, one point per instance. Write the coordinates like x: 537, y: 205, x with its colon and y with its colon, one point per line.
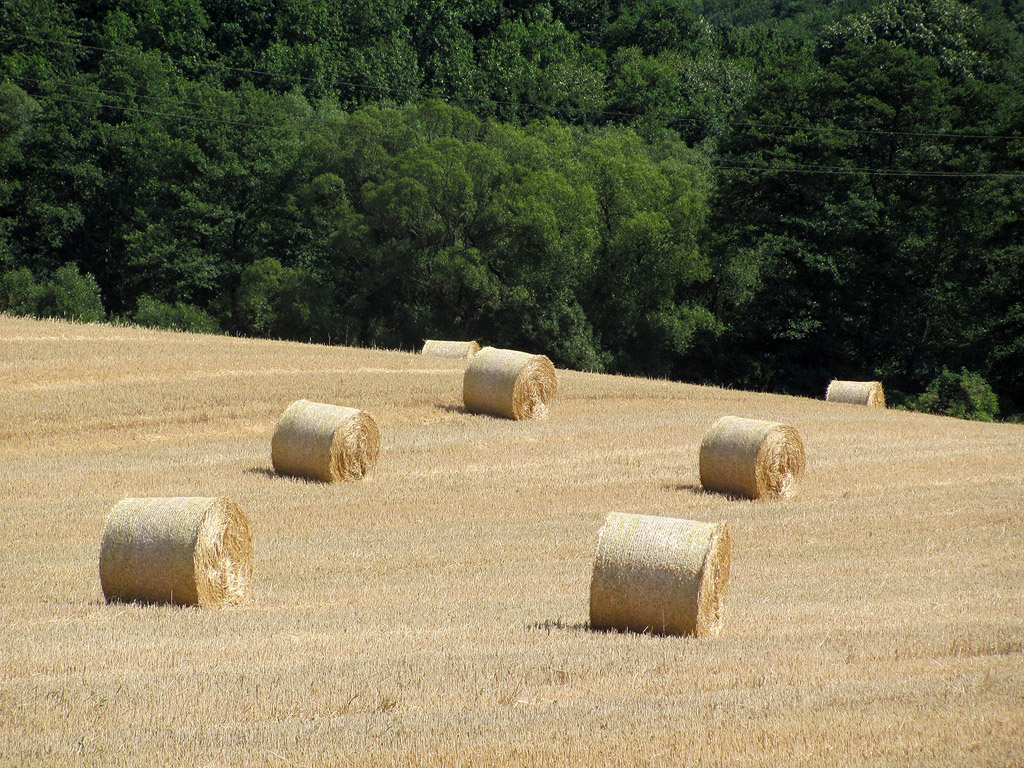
x: 17, y: 110
x: 20, y: 294
x: 258, y: 292
x: 179, y: 316
x: 868, y: 221
x: 535, y: 67
x: 284, y: 302
x: 743, y: 193
x: 648, y: 260
x: 965, y: 395
x: 71, y: 295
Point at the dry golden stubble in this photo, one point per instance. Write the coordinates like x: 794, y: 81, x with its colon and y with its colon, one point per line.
x: 435, y: 638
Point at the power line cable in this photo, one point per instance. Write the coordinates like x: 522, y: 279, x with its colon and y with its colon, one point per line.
x: 841, y: 171
x: 97, y: 89
x: 613, y: 113
x: 335, y: 83
x: 176, y: 116
x: 878, y: 131
x: 735, y: 166
x: 808, y: 169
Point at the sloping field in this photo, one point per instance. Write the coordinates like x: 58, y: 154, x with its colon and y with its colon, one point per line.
x: 436, y: 613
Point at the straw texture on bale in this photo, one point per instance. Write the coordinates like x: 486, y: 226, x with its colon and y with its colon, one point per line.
x: 185, y: 551
x: 661, y: 575
x: 868, y: 393
x: 514, y: 385
x: 457, y: 349
x: 325, y: 442
x: 747, y: 457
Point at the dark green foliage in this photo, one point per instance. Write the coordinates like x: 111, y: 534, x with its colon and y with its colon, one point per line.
x: 283, y: 302
x: 20, y: 294
x: 758, y: 194
x: 889, y: 260
x: 72, y: 296
x: 67, y: 294
x: 965, y: 395
x: 258, y: 294
x: 178, y: 316
x: 473, y: 229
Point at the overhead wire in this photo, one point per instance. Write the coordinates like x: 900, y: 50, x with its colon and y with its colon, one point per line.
x: 742, y: 167
x: 333, y: 84
x: 543, y: 107
x: 726, y: 166
x: 841, y: 171
x: 139, y: 110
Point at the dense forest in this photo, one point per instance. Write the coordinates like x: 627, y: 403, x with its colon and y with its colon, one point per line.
x: 757, y: 194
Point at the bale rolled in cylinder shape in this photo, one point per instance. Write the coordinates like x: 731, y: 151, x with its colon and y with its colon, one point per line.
x: 185, y: 551
x: 747, y: 457
x: 456, y: 349
x: 510, y: 384
x: 661, y: 575
x: 325, y: 442
x: 868, y: 393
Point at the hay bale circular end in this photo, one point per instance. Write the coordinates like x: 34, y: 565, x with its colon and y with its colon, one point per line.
x: 661, y: 575
x: 869, y: 393
x: 455, y: 349
x: 751, y: 458
x: 509, y: 384
x: 325, y: 442
x: 183, y: 551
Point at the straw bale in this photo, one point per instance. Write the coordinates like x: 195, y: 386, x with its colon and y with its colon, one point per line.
x: 514, y: 385
x: 185, y: 551
x: 868, y: 393
x: 325, y: 442
x: 747, y: 457
x: 456, y: 349
x: 661, y: 575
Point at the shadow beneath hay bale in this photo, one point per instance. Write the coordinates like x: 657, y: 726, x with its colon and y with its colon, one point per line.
x: 261, y: 471
x: 690, y: 487
x: 264, y: 472
x: 699, y: 490
x: 461, y: 410
x: 452, y: 409
x: 551, y: 625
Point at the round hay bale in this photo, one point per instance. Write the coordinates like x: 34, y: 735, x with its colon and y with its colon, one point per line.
x: 661, y: 575
x: 184, y: 551
x: 457, y: 349
x: 747, y: 457
x: 868, y: 393
x: 514, y: 385
x: 325, y: 442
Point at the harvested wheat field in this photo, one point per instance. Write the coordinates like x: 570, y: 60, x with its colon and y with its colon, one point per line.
x: 435, y: 613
